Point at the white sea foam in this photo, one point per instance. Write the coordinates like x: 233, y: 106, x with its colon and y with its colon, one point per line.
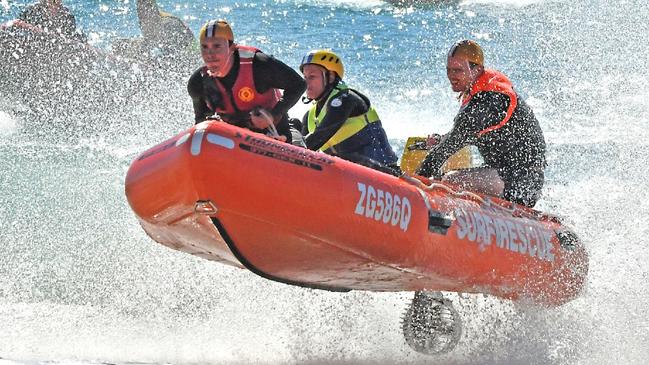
x: 7, y: 123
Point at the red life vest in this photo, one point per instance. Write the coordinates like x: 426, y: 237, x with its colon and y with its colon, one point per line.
x: 492, y: 80
x: 244, y: 97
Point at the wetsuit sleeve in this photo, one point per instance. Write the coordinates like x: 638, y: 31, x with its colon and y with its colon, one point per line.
x: 485, y: 109
x: 197, y: 93
x: 305, y: 124
x: 270, y: 73
x: 344, y: 105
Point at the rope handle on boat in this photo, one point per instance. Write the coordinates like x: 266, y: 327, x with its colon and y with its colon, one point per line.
x: 269, y: 119
x: 463, y: 194
x: 523, y: 212
x: 433, y: 186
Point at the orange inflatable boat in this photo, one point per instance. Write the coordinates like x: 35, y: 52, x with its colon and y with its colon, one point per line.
x: 304, y: 218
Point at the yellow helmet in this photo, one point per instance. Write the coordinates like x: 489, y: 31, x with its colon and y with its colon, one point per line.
x: 216, y: 29
x: 468, y: 50
x: 326, y: 59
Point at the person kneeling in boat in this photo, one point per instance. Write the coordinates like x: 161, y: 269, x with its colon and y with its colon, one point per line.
x: 496, y: 120
x: 341, y: 121
x: 241, y: 85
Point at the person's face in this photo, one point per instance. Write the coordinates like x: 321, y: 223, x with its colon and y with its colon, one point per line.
x: 314, y: 76
x: 460, y: 74
x: 217, y: 55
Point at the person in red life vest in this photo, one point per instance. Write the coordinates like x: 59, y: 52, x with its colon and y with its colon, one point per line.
x: 52, y: 17
x: 241, y: 85
x: 341, y: 120
x: 496, y: 120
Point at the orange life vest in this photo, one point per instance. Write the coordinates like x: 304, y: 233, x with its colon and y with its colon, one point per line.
x: 244, y: 97
x: 492, y: 80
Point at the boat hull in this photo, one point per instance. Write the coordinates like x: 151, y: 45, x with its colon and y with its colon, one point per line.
x: 305, y: 218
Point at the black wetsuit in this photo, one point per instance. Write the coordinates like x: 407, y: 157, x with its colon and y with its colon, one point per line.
x: 516, y: 150
x: 367, y: 147
x: 61, y: 22
x: 268, y: 73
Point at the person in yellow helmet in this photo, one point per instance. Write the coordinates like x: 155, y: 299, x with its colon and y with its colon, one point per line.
x: 341, y: 120
x: 244, y: 86
x: 496, y: 120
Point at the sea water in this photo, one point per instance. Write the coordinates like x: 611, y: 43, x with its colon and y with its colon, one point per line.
x: 80, y: 282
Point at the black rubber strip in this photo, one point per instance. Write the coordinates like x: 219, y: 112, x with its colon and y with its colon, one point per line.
x: 248, y: 265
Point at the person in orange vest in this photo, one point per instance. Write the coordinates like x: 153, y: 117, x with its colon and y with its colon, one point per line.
x: 494, y: 118
x: 241, y: 85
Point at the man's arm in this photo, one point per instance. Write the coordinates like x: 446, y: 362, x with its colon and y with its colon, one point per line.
x: 483, y: 110
x: 196, y: 92
x: 305, y: 124
x: 270, y: 73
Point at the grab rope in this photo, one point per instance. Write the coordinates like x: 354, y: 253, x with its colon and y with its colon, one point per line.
x: 463, y: 194
x: 269, y: 119
x: 467, y: 195
x: 437, y: 186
